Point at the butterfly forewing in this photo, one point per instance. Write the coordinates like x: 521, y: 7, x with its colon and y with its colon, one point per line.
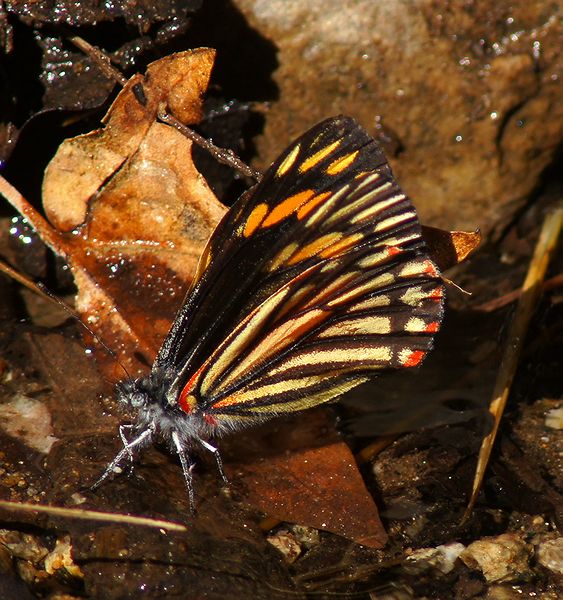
x: 317, y: 276
x: 237, y: 276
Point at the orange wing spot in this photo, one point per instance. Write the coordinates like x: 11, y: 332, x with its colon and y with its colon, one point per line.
x: 430, y: 268
x: 393, y: 250
x: 186, y: 400
x: 340, y: 246
x: 306, y: 208
x: 310, y: 162
x: 286, y: 207
x: 342, y: 163
x: 432, y: 327
x: 254, y: 219
x: 314, y: 248
x: 410, y: 358
x: 228, y: 401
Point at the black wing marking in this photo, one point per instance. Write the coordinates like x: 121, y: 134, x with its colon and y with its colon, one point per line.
x: 327, y: 203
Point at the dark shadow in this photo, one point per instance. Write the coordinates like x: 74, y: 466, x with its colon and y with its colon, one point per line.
x: 245, y: 59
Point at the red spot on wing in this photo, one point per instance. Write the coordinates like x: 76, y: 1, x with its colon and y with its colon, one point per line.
x: 392, y: 250
x: 209, y: 419
x: 413, y: 359
x: 183, y: 401
x: 432, y: 327
x: 430, y: 268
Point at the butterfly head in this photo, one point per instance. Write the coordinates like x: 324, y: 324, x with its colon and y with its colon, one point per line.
x: 131, y: 395
x: 144, y: 397
x: 147, y: 399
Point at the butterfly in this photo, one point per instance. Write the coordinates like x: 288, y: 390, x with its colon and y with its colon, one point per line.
x: 315, y: 280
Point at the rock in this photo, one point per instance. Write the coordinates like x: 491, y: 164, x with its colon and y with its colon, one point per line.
x: 287, y: 544
x: 442, y: 559
x: 463, y: 95
x: 554, y: 418
x: 504, y: 558
x: 550, y: 555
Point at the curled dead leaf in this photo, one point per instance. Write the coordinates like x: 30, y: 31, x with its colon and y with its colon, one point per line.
x: 130, y: 210
x: 449, y: 248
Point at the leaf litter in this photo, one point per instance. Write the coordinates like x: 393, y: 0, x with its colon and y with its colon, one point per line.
x: 113, y: 267
x: 130, y: 214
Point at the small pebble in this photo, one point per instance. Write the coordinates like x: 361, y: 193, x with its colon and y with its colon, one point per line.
x: 554, y: 418
x: 504, y: 558
x: 442, y: 559
x: 285, y: 542
x: 550, y: 555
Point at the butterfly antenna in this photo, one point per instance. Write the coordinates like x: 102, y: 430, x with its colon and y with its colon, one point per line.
x: 69, y: 310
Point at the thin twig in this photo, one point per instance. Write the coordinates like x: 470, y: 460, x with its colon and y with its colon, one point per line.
x: 92, y: 515
x: 550, y: 284
x: 222, y: 155
x: 531, y: 290
x: 100, y: 58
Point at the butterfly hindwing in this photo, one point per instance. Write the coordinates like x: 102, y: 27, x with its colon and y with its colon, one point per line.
x: 307, y: 339
x: 317, y: 276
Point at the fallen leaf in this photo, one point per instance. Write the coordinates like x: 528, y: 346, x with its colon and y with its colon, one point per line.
x: 449, y: 248
x: 129, y: 211
x: 300, y: 471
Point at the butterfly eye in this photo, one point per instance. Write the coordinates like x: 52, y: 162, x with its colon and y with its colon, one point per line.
x: 134, y: 399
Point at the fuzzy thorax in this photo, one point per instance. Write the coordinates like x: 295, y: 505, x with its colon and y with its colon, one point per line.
x: 146, y: 397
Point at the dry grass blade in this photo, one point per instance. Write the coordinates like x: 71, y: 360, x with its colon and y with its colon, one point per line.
x: 531, y: 290
x: 41, y: 226
x: 92, y: 515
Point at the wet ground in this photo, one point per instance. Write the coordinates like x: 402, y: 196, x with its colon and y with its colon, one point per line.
x: 364, y: 499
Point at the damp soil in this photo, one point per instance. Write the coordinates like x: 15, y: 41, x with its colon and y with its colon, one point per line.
x: 59, y: 419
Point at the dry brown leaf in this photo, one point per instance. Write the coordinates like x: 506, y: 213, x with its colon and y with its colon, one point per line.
x: 131, y: 211
x: 84, y: 164
x: 300, y: 471
x: 449, y: 248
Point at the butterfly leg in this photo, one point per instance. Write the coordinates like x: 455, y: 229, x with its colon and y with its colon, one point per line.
x: 186, y: 469
x: 139, y: 441
x: 125, y: 441
x: 215, y: 451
